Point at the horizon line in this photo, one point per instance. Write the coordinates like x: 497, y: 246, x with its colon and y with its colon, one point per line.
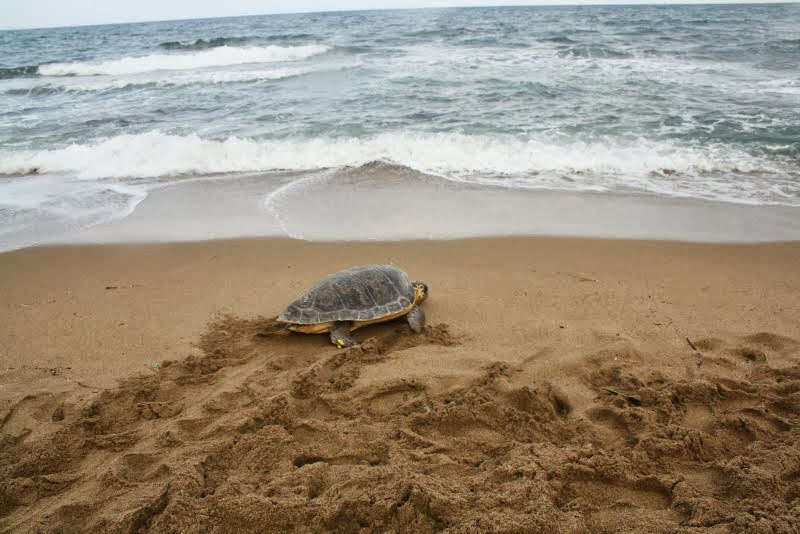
x: 575, y: 3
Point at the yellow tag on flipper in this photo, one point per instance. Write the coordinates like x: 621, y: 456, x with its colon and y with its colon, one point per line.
x: 340, y: 343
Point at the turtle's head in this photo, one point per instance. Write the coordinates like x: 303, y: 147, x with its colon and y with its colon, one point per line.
x: 420, y: 291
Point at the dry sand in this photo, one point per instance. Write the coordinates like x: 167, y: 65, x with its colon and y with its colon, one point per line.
x: 554, y: 390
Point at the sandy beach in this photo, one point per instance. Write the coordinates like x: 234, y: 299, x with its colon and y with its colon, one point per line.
x: 561, y: 385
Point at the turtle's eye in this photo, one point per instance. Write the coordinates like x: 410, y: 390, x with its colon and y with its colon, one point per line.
x: 420, y: 291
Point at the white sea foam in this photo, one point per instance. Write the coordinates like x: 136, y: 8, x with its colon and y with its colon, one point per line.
x: 273, y: 202
x: 547, y: 64
x: 714, y: 172
x: 222, y: 56
x: 41, y: 207
x: 788, y: 86
x: 159, y: 79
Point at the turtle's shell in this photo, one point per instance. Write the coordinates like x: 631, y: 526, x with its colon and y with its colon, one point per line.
x: 356, y: 294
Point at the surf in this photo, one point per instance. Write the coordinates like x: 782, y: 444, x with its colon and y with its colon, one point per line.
x: 223, y: 56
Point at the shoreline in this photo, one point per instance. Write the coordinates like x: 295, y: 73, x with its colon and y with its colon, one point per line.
x: 399, y: 205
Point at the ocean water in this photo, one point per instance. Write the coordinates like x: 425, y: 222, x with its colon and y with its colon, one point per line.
x: 677, y: 102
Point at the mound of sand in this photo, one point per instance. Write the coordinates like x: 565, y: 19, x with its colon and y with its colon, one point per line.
x: 290, y: 434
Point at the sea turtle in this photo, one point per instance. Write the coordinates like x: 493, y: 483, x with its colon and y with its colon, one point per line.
x: 356, y: 297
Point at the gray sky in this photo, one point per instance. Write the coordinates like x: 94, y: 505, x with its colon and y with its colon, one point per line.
x: 45, y: 13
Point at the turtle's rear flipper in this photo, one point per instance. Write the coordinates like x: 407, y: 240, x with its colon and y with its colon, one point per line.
x: 273, y: 327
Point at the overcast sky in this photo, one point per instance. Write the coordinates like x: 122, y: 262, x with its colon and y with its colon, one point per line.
x: 45, y: 13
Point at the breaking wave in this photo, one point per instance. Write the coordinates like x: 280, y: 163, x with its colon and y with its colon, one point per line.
x: 19, y: 72
x: 104, y: 83
x: 223, y: 56
x: 203, y: 44
x: 716, y: 172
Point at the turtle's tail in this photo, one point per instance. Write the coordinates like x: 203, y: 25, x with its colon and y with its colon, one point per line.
x: 273, y: 327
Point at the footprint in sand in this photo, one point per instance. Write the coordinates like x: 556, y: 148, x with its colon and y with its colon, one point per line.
x: 602, y: 500
x: 612, y: 426
x: 135, y: 468
x: 29, y: 412
x: 402, y: 397
x: 192, y: 428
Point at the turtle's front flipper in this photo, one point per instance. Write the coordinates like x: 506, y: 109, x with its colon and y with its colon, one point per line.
x: 416, y: 318
x: 340, y: 335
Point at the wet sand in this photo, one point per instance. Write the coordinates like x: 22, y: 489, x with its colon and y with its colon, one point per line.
x: 389, y: 203
x: 561, y: 385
